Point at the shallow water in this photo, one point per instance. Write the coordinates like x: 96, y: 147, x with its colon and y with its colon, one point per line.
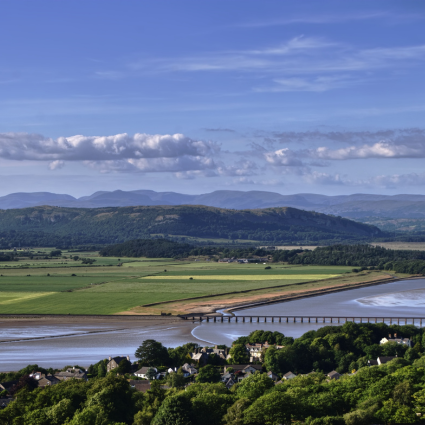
x: 64, y: 344
x: 402, y: 299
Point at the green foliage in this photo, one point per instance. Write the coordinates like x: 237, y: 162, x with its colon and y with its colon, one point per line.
x: 402, y: 261
x: 174, y: 410
x: 176, y: 380
x: 238, y: 354
x: 152, y: 353
x: 208, y: 373
x: 270, y: 409
x: 254, y: 386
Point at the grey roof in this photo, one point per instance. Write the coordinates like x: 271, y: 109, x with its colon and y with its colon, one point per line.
x: 334, y: 374
x: 144, y: 369
x: 385, y: 359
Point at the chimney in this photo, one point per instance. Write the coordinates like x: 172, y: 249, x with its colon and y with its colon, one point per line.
x: 216, y: 347
x: 110, y: 358
x: 128, y: 358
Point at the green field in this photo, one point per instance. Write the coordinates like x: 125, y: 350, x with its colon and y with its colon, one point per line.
x: 47, y: 286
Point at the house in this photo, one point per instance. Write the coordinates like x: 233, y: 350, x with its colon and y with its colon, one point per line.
x: 255, y: 351
x: 141, y: 386
x: 380, y: 360
x: 402, y: 341
x: 244, y: 368
x: 201, y: 358
x: 115, y: 361
x: 385, y: 359
x: 289, y: 375
x: 71, y: 373
x: 272, y: 376
x: 44, y: 380
x: 7, y: 385
x: 334, y: 375
x: 141, y: 373
x: 201, y: 355
x: 188, y: 370
x: 229, y: 383
x: 226, y: 376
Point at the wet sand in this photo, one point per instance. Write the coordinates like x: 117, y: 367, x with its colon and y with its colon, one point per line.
x: 61, y: 341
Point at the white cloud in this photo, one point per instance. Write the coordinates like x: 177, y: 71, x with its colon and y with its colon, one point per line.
x: 284, y: 157
x: 404, y: 144
x: 318, y: 84
x: 20, y: 146
x: 56, y: 165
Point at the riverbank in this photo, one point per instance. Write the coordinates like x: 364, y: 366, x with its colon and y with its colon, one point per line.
x: 244, y: 299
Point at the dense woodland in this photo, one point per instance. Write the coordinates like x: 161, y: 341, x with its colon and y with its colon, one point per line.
x: 163, y: 248
x: 66, y: 227
x: 390, y: 393
x: 350, y: 255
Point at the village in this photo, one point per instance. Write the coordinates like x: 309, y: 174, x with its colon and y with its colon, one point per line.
x: 216, y: 360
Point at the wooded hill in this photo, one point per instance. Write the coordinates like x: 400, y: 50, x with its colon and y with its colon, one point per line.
x: 64, y: 227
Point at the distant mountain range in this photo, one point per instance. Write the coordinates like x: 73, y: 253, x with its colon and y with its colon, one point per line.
x: 356, y: 206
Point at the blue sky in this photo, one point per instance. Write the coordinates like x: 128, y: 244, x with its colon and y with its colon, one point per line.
x: 195, y: 96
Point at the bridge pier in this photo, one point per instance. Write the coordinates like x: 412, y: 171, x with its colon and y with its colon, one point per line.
x: 280, y: 320
x: 215, y: 319
x: 324, y: 320
x: 272, y: 319
x: 287, y: 318
x: 309, y: 320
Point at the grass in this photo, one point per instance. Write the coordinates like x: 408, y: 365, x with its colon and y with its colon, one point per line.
x: 107, y: 288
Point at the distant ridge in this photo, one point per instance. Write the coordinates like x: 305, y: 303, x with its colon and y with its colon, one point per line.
x: 354, y: 206
x: 63, y: 227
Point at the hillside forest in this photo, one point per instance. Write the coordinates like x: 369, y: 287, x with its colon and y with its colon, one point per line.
x: 70, y: 227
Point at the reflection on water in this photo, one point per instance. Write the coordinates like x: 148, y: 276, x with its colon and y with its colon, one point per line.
x: 404, y: 299
x: 411, y: 298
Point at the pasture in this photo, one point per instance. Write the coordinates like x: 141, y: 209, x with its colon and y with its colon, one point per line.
x: 113, y: 285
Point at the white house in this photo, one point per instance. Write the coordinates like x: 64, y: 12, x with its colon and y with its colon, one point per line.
x: 289, y: 375
x: 403, y: 341
x: 141, y: 373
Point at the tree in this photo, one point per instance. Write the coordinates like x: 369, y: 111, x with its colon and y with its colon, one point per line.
x: 270, y: 409
x: 235, y: 413
x: 208, y: 373
x: 123, y: 367
x: 151, y: 373
x: 254, y: 386
x: 176, y: 380
x: 175, y: 410
x: 101, y: 372
x: 152, y: 353
x: 238, y: 354
x: 24, y: 382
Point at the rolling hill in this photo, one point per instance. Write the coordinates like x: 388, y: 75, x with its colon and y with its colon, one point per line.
x: 58, y: 226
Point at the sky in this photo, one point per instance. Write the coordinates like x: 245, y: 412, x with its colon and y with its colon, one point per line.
x: 195, y: 96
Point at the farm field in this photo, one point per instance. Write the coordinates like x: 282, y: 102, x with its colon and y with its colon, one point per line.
x: 131, y: 286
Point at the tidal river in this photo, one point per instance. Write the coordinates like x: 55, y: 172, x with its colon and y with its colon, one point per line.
x: 65, y: 342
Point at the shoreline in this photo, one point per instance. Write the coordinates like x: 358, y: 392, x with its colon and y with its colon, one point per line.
x: 316, y: 293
